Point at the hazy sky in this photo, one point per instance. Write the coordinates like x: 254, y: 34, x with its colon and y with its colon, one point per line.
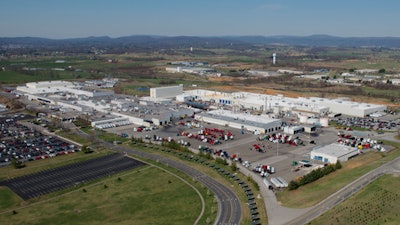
x: 115, y: 18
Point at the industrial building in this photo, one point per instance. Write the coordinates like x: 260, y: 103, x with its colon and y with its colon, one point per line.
x: 256, y: 124
x: 278, y: 103
x: 192, y: 70
x: 345, y: 107
x: 159, y: 108
x: 49, y: 87
x: 333, y: 152
x: 166, y: 92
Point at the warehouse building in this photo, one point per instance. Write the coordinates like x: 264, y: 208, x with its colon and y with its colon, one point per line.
x: 279, y: 103
x: 345, y: 107
x: 49, y: 87
x: 253, y: 123
x: 333, y: 152
x: 47, y: 84
x: 192, y: 70
x: 166, y: 92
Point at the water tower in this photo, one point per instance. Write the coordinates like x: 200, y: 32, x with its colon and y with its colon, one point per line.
x: 273, y: 58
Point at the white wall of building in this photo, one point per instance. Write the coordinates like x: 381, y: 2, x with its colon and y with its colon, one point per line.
x: 166, y: 92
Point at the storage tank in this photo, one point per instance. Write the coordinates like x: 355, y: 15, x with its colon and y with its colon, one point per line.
x: 324, y: 122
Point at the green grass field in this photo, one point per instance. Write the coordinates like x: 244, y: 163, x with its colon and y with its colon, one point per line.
x: 74, y: 137
x: 315, y: 192
x: 246, y: 217
x: 375, y: 204
x: 146, y: 195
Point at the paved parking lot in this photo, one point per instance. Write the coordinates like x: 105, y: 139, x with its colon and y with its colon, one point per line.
x: 37, y: 184
x: 277, y: 155
x: 24, y: 143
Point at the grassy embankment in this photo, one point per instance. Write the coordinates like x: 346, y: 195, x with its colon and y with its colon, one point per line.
x: 202, y: 164
x: 145, y: 195
x: 375, y: 204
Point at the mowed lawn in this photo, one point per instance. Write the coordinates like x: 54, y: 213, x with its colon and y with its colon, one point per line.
x: 378, y: 203
x: 315, y: 192
x: 146, y: 195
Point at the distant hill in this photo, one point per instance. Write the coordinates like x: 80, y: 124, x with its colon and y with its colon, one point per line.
x: 164, y: 42
x: 322, y: 41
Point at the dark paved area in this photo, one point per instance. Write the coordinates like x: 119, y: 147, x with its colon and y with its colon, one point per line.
x: 41, y: 183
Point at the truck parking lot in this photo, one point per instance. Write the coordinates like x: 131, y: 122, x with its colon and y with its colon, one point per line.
x: 241, y: 145
x: 284, y: 153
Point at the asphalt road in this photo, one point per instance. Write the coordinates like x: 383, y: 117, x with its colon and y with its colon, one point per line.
x: 229, y: 210
x: 347, y: 191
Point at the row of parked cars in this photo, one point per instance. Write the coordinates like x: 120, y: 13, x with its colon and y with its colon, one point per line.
x: 367, y: 123
x: 25, y: 144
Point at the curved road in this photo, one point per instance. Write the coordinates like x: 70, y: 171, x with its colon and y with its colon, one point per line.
x: 229, y: 209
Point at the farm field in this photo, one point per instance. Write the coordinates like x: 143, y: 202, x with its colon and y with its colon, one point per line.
x: 375, y: 204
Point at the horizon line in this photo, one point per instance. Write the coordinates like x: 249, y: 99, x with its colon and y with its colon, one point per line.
x: 200, y: 36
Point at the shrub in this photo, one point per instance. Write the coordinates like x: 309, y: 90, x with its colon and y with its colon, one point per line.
x: 314, y: 175
x: 221, y: 161
x: 293, y: 185
x: 233, y: 166
x: 17, y: 164
x: 338, y: 165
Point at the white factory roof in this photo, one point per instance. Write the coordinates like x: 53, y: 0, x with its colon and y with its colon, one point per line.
x: 334, y: 149
x: 254, y: 120
x: 313, y: 104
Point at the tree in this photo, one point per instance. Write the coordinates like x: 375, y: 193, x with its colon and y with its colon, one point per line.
x: 85, y: 149
x: 17, y: 164
x: 293, y: 185
x: 338, y: 165
x: 381, y: 71
x: 233, y: 166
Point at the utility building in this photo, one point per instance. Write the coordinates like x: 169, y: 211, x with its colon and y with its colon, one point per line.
x: 333, y: 152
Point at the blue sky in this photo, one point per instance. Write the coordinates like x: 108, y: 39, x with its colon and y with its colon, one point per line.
x: 83, y: 18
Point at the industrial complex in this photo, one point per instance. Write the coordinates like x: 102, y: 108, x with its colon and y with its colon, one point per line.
x: 253, y: 129
x: 235, y: 109
x: 276, y: 137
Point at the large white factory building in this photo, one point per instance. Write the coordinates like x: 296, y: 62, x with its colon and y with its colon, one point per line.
x: 253, y: 123
x: 278, y: 103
